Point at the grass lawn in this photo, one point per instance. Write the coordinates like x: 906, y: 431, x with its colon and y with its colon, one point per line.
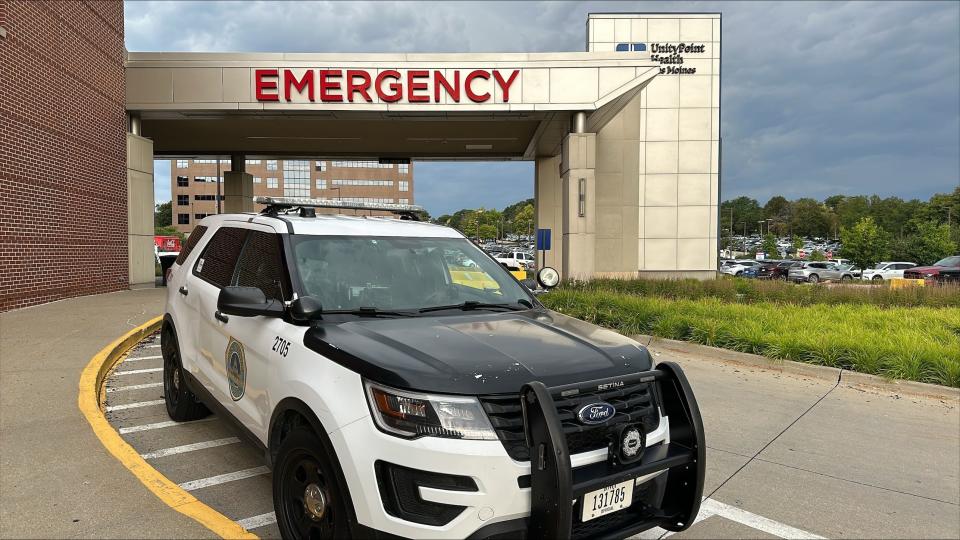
x: 914, y: 342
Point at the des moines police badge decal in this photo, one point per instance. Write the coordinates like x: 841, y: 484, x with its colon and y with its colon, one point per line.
x: 236, y: 369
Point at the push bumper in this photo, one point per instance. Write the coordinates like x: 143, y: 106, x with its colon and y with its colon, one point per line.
x: 556, y: 486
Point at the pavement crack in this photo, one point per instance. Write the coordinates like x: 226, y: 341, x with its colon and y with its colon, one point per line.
x: 778, y: 435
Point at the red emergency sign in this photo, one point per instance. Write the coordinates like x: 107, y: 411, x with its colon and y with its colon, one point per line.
x: 390, y: 86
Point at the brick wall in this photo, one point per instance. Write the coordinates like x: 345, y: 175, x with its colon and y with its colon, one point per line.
x: 63, y: 187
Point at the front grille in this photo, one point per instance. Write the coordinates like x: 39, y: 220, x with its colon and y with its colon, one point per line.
x: 907, y: 274
x: 634, y: 403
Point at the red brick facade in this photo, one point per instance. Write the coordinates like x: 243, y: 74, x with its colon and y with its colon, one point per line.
x: 63, y: 186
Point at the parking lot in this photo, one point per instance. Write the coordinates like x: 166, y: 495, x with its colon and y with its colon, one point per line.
x: 788, y: 456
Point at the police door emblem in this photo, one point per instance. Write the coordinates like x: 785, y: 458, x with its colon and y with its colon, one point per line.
x: 236, y: 369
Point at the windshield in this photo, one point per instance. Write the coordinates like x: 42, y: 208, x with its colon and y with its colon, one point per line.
x: 400, y: 273
x: 949, y: 261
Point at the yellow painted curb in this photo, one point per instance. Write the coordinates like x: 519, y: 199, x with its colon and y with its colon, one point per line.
x: 89, y: 401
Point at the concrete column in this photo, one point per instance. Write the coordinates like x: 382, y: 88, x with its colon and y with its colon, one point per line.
x: 548, y: 201
x: 140, y: 256
x: 578, y: 206
x: 237, y: 191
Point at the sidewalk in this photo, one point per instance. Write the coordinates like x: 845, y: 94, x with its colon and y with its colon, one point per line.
x: 56, y: 479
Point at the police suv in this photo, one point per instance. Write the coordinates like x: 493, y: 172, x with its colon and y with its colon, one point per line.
x: 401, y: 383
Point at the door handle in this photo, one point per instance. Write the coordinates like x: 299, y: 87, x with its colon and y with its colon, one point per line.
x: 220, y: 316
x: 184, y: 291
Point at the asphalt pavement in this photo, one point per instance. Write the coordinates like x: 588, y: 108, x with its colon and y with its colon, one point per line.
x: 789, y: 455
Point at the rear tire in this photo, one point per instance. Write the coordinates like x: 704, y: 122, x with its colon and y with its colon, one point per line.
x: 846, y: 279
x: 877, y: 278
x: 308, y: 499
x: 182, y: 405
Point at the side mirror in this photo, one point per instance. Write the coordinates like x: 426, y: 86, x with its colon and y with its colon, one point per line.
x: 548, y: 278
x: 247, y: 302
x: 306, y: 309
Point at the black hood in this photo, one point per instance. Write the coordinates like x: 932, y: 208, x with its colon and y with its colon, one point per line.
x: 478, y: 353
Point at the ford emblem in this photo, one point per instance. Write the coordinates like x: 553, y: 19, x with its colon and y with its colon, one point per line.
x: 596, y: 413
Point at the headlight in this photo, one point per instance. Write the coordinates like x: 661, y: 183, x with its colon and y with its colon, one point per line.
x: 409, y: 414
x: 931, y: 274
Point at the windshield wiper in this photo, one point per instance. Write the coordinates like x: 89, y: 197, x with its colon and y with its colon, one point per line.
x: 473, y: 304
x: 365, y: 311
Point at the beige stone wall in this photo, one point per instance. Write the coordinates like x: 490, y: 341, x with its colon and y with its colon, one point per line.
x: 140, y: 255
x: 658, y: 159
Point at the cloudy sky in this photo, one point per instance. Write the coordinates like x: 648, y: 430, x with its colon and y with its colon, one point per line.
x: 818, y: 98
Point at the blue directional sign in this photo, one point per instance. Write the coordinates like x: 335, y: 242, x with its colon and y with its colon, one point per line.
x: 543, y: 239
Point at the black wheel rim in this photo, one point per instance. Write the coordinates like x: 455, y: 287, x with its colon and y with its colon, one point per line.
x: 171, y: 379
x: 303, y: 471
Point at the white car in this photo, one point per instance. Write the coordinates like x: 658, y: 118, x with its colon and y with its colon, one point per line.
x: 886, y: 270
x: 735, y: 268
x: 518, y: 259
x: 395, y: 394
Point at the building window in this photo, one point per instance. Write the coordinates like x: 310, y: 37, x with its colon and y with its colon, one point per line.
x: 321, y: 183
x: 271, y: 164
x: 183, y: 219
x: 183, y: 200
x: 183, y: 163
x: 367, y: 199
x: 404, y: 201
x: 198, y: 217
x: 320, y: 166
x: 183, y: 181
x: 296, y: 178
x: 403, y: 168
x: 272, y: 183
x: 253, y: 162
x: 257, y: 180
x: 205, y: 197
x: 404, y: 185
x: 361, y: 164
x: 363, y: 182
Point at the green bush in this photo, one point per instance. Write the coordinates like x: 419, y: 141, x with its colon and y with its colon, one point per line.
x: 878, y: 337
x: 780, y: 292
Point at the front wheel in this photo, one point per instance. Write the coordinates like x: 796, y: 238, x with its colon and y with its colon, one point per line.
x: 844, y: 279
x: 182, y: 405
x: 877, y: 278
x: 814, y: 279
x: 307, y: 496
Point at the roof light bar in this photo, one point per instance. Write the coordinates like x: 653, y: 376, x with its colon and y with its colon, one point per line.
x: 279, y: 203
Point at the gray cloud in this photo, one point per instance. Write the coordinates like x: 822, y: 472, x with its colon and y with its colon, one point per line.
x: 818, y: 98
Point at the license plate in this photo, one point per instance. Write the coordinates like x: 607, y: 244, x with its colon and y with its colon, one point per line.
x: 607, y: 500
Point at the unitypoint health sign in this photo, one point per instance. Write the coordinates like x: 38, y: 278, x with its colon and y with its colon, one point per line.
x: 390, y: 86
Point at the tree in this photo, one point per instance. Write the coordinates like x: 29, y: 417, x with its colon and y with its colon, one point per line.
x: 169, y: 230
x: 930, y: 243
x: 769, y: 245
x: 746, y: 214
x: 865, y: 244
x: 163, y: 214
x: 796, y: 242
x: 523, y: 220
x: 817, y: 255
x: 808, y: 219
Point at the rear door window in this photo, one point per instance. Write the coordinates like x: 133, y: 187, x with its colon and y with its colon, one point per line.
x: 191, y: 243
x: 219, y: 259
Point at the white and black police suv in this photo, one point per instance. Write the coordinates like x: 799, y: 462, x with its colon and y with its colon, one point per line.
x: 402, y: 383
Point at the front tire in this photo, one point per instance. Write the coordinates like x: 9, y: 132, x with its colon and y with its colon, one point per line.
x: 877, y: 278
x: 182, y: 405
x: 846, y: 279
x: 814, y: 279
x: 307, y: 496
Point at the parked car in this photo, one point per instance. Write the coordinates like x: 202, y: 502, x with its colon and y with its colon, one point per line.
x: 886, y: 270
x: 774, y: 269
x: 517, y: 258
x: 815, y: 272
x: 737, y: 267
x: 933, y: 272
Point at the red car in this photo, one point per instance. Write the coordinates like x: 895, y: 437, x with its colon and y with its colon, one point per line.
x: 933, y: 272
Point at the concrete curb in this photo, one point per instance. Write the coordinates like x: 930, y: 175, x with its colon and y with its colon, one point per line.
x: 847, y: 377
x: 90, y: 402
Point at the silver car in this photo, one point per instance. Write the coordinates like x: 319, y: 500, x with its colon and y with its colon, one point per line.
x: 815, y: 272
